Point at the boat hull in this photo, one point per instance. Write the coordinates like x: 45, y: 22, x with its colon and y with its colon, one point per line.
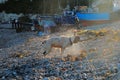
x: 87, y: 19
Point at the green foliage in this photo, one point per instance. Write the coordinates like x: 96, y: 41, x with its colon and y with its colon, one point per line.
x: 40, y: 6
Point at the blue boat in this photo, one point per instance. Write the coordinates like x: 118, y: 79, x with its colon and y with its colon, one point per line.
x: 93, y: 16
x: 87, y: 19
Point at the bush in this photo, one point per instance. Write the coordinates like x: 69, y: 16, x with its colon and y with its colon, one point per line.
x: 25, y: 19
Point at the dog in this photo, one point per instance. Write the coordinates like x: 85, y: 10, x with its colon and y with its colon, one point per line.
x: 59, y: 42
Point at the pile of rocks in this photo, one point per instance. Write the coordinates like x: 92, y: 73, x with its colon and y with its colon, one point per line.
x: 57, y: 69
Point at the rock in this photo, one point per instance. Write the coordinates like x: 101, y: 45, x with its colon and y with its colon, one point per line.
x: 118, y: 66
x: 46, y: 78
x: 115, y: 58
x: 3, y: 78
x: 26, y: 77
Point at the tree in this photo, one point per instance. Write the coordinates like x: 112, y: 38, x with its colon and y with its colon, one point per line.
x: 40, y: 6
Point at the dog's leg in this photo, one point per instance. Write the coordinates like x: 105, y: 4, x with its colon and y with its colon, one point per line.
x: 47, y: 48
x: 62, y: 52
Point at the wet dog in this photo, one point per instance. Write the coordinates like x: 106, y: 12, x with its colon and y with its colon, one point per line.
x: 59, y: 42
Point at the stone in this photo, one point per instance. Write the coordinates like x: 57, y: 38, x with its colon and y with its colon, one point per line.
x: 118, y: 66
x: 46, y: 78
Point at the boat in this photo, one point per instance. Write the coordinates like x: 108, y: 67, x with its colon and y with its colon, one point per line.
x: 87, y: 19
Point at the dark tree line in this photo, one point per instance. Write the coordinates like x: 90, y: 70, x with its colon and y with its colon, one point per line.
x: 39, y: 6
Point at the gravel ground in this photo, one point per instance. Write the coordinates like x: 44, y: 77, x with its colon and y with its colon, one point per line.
x: 21, y: 56
x: 5, y: 26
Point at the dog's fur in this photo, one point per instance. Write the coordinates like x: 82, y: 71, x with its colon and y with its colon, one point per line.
x: 59, y: 42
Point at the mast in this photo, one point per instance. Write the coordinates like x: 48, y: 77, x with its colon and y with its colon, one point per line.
x: 59, y: 4
x: 44, y: 7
